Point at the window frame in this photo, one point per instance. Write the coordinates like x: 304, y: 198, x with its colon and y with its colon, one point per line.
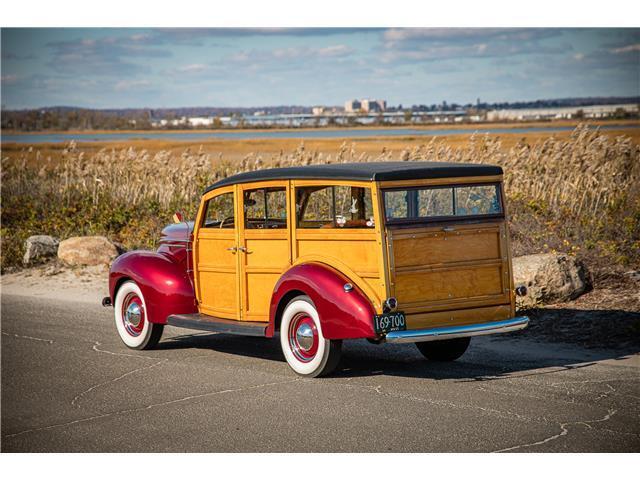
x: 412, y: 221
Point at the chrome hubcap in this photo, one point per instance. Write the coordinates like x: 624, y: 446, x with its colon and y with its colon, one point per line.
x: 133, y: 315
x: 304, y: 337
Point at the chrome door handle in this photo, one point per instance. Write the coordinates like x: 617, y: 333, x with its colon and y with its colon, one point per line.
x: 242, y: 249
x: 233, y: 249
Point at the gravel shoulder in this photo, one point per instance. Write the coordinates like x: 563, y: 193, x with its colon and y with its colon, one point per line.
x: 52, y: 281
x: 606, y: 317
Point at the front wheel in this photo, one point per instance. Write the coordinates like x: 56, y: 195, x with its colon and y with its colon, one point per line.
x: 132, y: 323
x: 444, y: 350
x: 306, y: 350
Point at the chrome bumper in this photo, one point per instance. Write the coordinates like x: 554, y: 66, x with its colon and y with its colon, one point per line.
x: 444, y: 333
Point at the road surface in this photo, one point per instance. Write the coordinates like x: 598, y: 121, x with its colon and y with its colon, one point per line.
x: 69, y: 384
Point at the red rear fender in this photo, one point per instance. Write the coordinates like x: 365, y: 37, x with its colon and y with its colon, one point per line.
x: 342, y: 314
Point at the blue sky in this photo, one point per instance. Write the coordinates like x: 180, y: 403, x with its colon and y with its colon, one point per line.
x: 117, y: 68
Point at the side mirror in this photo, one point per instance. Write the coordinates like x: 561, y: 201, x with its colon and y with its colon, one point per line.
x: 178, y: 218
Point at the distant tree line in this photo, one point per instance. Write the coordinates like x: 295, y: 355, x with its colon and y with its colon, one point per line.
x: 72, y: 118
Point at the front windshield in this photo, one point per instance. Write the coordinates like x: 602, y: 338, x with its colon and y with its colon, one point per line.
x: 437, y: 203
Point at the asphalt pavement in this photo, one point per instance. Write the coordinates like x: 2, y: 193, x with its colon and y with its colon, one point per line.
x: 70, y: 385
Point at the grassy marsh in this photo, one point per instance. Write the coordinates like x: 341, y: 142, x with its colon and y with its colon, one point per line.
x: 577, y: 192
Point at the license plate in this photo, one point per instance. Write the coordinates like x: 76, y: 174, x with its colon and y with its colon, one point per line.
x: 389, y: 322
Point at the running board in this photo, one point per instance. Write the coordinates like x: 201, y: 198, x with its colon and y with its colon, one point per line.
x: 198, y: 321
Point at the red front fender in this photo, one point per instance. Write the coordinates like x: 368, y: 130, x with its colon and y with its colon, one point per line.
x: 342, y: 314
x: 164, y: 283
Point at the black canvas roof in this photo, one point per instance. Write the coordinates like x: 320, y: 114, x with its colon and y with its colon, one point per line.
x: 372, y: 171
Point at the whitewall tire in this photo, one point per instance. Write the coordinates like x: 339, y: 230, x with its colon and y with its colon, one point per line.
x: 306, y: 350
x: 132, y: 323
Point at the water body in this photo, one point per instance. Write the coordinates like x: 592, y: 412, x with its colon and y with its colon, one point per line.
x: 287, y: 134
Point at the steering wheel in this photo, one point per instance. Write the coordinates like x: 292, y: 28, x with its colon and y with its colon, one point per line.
x: 224, y: 220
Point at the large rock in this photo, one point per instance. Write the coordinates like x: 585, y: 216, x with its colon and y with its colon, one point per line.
x: 87, y: 251
x: 38, y: 248
x: 550, y: 278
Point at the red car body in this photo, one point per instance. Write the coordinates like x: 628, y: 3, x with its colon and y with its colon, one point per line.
x: 166, y: 280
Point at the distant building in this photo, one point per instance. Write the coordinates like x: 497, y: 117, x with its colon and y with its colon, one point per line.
x: 351, y: 106
x: 318, y: 111
x: 365, y: 105
x: 200, y: 121
x: 592, y: 111
x: 373, y: 105
x: 175, y: 122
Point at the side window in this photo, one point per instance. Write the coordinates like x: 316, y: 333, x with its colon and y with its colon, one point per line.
x: 334, y: 207
x: 265, y: 208
x: 219, y: 212
x: 353, y: 207
x: 315, y: 207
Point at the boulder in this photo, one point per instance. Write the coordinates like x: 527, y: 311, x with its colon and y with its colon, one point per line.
x: 38, y: 248
x: 87, y: 251
x: 550, y: 278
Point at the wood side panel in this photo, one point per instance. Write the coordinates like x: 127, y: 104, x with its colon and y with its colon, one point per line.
x: 424, y: 287
x: 467, y: 316
x: 436, y: 270
x: 216, y: 266
x: 201, y: 249
x: 357, y: 253
x: 219, y: 295
x: 361, y: 257
x: 259, y: 290
x: 455, y: 304
x: 433, y: 248
x: 267, y: 255
x: 383, y: 251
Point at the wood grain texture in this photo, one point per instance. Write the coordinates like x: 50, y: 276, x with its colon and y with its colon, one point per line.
x: 467, y: 316
x: 434, y: 270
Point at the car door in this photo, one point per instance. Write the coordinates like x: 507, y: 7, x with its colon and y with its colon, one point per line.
x: 264, y: 245
x: 216, y: 255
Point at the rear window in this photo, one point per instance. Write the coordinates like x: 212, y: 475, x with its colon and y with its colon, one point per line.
x: 439, y: 203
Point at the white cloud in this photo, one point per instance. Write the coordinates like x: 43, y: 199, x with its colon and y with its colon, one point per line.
x: 428, y: 44
x: 334, y: 51
x: 626, y: 49
x: 124, y: 85
x: 193, y: 68
x: 9, y: 79
x: 291, y: 53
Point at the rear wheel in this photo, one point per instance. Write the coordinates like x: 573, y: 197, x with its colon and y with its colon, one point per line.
x: 307, y: 352
x: 444, y: 350
x: 132, y: 323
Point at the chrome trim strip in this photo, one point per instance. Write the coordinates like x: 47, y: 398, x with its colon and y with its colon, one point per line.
x: 444, y: 333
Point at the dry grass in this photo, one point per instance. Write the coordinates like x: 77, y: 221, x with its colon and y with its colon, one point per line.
x: 579, y: 193
x: 235, y: 150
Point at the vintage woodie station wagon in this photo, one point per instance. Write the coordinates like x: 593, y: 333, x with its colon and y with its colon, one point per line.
x: 389, y: 252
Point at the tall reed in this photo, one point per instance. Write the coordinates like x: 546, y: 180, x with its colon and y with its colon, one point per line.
x: 580, y: 194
